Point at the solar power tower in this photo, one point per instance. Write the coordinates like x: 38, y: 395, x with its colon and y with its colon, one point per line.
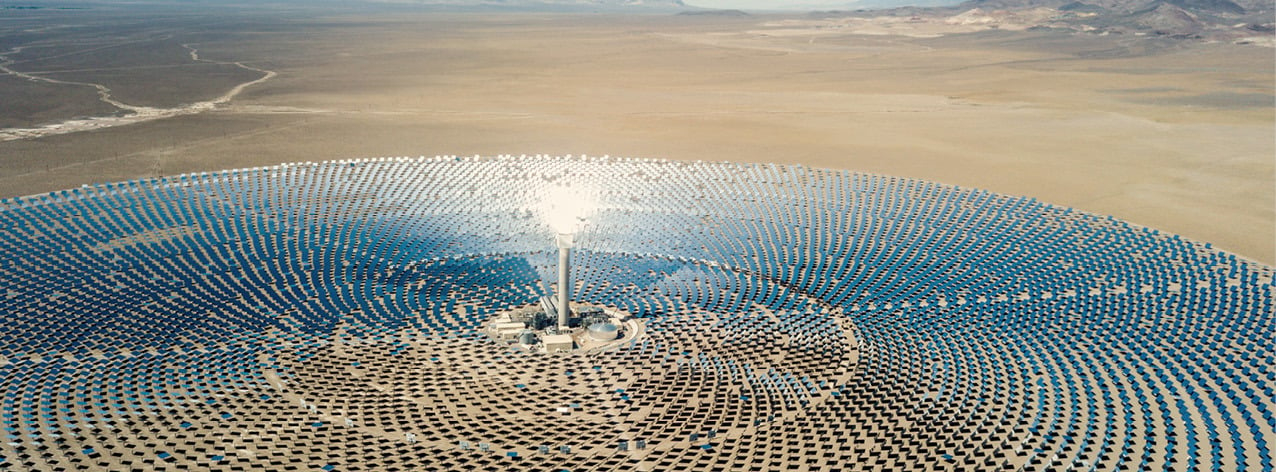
x: 565, y: 241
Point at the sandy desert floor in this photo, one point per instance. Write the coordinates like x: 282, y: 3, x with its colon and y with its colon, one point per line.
x: 1177, y: 136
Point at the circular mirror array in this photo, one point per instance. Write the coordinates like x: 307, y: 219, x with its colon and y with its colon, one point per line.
x: 329, y: 316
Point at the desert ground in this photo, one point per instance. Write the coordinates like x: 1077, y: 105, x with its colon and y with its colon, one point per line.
x: 1171, y: 134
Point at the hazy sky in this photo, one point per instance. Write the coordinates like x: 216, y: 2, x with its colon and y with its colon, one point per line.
x: 814, y: 4
x: 772, y: 4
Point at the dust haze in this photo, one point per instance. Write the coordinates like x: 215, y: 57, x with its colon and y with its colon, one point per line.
x: 1173, y: 134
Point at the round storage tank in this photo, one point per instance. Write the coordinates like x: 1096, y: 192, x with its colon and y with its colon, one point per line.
x: 527, y: 337
x: 603, y: 331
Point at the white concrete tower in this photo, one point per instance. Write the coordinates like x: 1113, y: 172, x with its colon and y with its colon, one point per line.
x: 565, y: 285
x: 565, y: 208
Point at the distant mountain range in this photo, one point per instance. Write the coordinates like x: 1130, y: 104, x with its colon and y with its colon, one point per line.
x: 1242, y: 21
x: 1232, y: 20
x: 1227, y: 20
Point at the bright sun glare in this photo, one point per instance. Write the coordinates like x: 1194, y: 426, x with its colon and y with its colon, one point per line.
x: 565, y: 208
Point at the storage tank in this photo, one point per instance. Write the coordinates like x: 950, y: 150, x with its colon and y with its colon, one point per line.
x: 527, y: 337
x: 603, y: 331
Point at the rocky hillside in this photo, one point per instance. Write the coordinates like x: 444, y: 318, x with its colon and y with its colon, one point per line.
x: 1211, y: 19
x: 1240, y: 21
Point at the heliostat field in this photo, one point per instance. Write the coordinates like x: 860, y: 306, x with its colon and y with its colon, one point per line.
x: 330, y: 316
